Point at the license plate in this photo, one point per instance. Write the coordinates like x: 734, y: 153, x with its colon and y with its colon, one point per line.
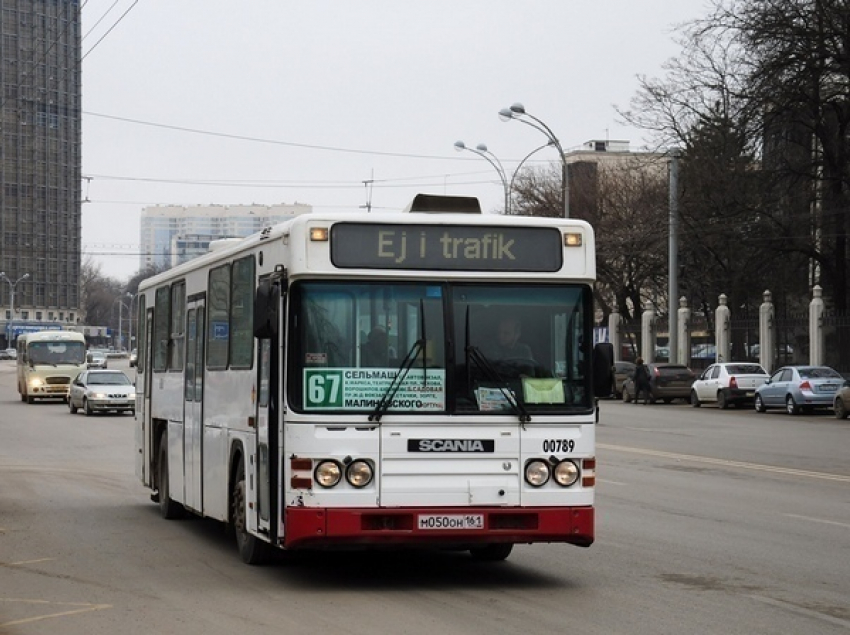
x: 751, y: 394
x: 451, y: 521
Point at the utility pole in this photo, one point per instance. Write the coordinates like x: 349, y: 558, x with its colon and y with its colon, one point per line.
x: 673, y: 266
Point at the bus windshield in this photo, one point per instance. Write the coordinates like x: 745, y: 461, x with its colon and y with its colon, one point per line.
x: 451, y: 347
x: 57, y: 352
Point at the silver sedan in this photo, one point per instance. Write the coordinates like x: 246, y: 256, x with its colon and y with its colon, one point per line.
x: 102, y: 391
x: 799, y: 388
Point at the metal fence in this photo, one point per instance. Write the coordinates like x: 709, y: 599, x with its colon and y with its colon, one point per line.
x: 836, y: 330
x: 792, y: 340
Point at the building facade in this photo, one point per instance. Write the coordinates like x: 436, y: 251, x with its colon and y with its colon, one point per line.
x: 40, y: 163
x: 172, y: 234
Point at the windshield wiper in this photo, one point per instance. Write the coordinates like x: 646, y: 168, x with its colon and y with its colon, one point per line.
x: 387, y: 398
x: 404, y: 368
x: 474, y: 353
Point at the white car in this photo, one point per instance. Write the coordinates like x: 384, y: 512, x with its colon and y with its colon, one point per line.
x: 728, y: 383
x: 96, y: 359
x: 102, y: 391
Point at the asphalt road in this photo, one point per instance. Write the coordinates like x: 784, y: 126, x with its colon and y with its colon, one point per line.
x: 708, y: 522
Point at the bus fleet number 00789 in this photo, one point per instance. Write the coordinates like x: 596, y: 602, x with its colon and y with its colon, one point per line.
x: 559, y: 445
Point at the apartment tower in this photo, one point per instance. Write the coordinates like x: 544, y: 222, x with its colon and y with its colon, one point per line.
x: 40, y: 158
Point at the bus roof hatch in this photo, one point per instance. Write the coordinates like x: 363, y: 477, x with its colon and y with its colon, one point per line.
x: 435, y: 204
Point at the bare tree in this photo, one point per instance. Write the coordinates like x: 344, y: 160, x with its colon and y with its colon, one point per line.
x: 626, y: 205
x: 773, y: 76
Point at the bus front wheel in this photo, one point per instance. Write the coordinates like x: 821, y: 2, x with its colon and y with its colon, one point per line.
x: 252, y: 550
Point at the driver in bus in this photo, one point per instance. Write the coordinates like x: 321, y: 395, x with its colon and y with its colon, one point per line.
x: 507, y: 344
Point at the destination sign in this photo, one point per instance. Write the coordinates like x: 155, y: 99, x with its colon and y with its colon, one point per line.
x: 446, y: 247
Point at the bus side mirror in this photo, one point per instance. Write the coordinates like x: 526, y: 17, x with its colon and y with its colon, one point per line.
x: 266, y: 305
x: 603, y: 364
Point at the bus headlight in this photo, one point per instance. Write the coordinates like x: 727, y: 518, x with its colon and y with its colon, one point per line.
x: 327, y: 473
x: 566, y: 473
x: 359, y: 474
x: 536, y: 473
x: 35, y: 382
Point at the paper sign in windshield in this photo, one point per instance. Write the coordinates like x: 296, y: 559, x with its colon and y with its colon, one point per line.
x: 363, y: 388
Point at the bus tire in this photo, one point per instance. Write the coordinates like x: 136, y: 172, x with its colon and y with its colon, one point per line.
x: 252, y: 550
x: 492, y: 553
x: 30, y: 399
x: 168, y: 508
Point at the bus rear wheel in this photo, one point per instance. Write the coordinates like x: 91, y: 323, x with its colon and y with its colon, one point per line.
x: 252, y: 550
x: 492, y: 553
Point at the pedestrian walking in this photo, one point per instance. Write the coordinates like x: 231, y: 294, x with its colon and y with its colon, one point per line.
x: 641, y: 381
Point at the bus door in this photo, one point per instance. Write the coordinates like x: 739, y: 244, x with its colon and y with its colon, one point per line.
x: 145, y: 414
x: 268, y: 311
x: 264, y: 461
x: 193, y: 395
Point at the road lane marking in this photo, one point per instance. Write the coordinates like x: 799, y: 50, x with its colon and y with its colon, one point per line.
x: 84, y: 607
x: 727, y: 463
x: 606, y: 481
x: 802, y: 610
x: 23, y: 562
x: 818, y: 520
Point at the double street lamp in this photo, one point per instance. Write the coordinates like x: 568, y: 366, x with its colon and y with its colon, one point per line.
x: 12, y: 286
x: 517, y: 112
x: 482, y: 151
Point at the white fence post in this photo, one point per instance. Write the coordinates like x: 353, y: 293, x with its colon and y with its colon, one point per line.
x: 816, y: 338
x: 648, y: 332
x: 615, y: 334
x: 721, y: 330
x: 767, y: 335
x: 683, y: 355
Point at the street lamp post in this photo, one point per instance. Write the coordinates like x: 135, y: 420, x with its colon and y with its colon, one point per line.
x: 481, y: 150
x: 121, y: 306
x: 12, y: 286
x: 517, y: 112
x: 524, y: 159
x: 132, y: 297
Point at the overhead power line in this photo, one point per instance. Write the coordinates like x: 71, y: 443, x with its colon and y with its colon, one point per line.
x: 291, y: 144
x: 109, y: 30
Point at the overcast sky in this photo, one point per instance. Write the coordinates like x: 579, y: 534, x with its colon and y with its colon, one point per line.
x: 197, y: 102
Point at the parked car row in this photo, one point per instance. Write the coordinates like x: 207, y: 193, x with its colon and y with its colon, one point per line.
x: 796, y: 389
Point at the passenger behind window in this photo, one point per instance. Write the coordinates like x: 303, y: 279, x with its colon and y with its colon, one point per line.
x: 375, y: 352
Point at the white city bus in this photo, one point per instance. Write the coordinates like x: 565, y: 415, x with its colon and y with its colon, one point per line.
x: 48, y: 361
x: 258, y: 405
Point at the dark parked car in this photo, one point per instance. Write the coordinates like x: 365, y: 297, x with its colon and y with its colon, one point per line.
x: 666, y: 381
x: 841, y: 405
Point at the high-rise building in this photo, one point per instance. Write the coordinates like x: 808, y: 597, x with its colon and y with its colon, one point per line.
x: 40, y: 162
x: 172, y: 234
